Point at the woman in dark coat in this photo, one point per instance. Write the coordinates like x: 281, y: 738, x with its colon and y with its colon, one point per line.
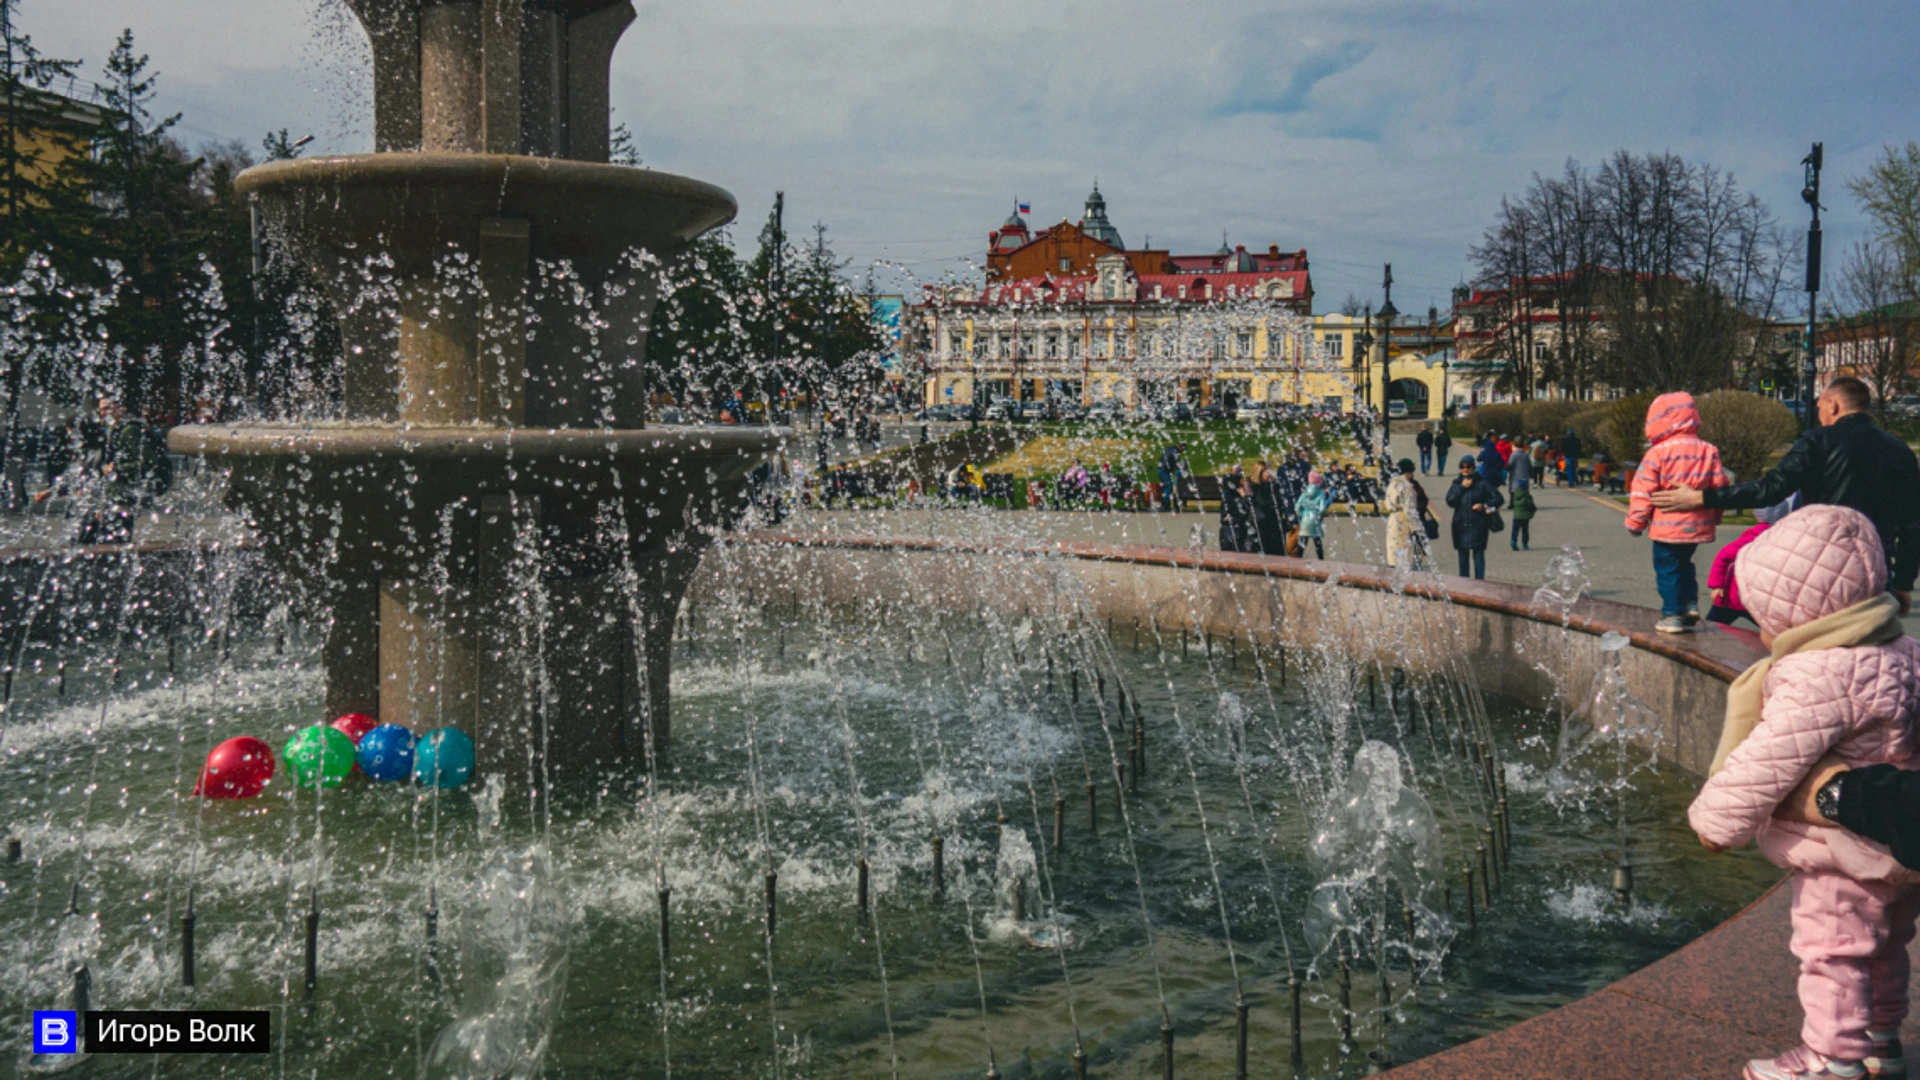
x: 1472, y: 500
x: 1267, y: 523
x: 1236, y: 513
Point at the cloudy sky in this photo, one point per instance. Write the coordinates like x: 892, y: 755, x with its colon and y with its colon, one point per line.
x: 1362, y: 130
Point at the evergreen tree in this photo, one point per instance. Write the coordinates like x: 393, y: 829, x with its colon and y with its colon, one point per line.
x: 836, y: 346
x: 699, y: 341
x: 620, y: 147
x: 145, y: 240
x: 32, y: 198
x: 28, y: 178
x: 279, y: 147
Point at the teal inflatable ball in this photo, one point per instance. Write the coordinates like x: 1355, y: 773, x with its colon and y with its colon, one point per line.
x: 386, y: 753
x: 319, y: 755
x: 443, y: 758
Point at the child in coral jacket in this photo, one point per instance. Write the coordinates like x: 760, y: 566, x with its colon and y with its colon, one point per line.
x: 1677, y: 455
x: 1842, y: 681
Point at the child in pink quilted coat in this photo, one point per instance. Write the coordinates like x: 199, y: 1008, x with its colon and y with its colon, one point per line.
x: 1677, y: 455
x: 1842, y: 680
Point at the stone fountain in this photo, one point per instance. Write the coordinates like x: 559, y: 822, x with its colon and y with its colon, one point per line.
x: 493, y: 276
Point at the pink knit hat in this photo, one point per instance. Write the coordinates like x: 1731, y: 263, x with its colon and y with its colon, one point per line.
x: 1314, y: 476
x: 1816, y: 561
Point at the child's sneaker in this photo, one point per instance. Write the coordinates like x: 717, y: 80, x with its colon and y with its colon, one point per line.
x: 1672, y: 624
x: 1803, y: 1063
x: 1888, y: 1058
x: 1692, y: 617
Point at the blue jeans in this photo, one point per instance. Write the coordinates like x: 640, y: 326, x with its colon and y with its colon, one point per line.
x: 1673, y: 575
x: 1442, y: 470
x: 1478, y: 558
x: 1426, y: 460
x: 1520, y: 533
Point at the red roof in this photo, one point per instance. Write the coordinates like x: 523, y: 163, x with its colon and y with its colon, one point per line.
x: 1074, y: 289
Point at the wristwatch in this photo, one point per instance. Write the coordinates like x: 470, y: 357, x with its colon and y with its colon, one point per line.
x: 1827, y: 799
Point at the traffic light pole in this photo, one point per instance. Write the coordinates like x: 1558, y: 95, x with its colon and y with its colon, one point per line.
x: 1809, y: 370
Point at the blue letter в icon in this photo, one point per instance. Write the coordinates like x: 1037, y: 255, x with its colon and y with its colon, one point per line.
x: 56, y: 1032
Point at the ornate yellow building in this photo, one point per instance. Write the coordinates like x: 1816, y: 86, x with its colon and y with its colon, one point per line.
x: 1091, y: 323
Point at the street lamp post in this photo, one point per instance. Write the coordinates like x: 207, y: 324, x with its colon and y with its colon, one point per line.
x: 1811, y: 194
x: 1362, y: 351
x: 1387, y: 315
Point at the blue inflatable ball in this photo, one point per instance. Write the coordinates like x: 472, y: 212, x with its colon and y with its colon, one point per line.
x: 386, y: 753
x: 443, y: 758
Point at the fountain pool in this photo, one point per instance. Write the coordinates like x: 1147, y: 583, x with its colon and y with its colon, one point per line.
x: 806, y: 739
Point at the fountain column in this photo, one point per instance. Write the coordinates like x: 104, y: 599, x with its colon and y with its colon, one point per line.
x: 496, y: 483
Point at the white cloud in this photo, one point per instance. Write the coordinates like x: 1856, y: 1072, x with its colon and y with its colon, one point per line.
x: 1365, y: 130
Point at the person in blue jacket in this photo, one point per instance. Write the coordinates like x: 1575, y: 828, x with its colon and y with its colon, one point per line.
x: 1492, y: 469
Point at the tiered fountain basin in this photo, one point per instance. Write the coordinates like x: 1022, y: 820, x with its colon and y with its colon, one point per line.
x: 506, y: 285
x: 406, y: 538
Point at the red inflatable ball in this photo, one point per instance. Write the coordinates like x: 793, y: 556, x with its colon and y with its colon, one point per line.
x: 236, y: 769
x: 353, y: 725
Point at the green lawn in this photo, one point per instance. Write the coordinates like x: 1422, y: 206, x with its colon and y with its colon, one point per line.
x: 1211, y: 448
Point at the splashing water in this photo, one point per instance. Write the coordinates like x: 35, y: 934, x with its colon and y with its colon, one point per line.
x: 1566, y: 581
x: 1378, y: 833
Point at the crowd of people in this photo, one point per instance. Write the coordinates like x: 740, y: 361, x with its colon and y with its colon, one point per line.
x: 108, y: 462
x: 1280, y: 508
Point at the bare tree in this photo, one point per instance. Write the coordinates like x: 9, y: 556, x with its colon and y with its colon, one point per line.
x: 1563, y: 209
x: 1890, y: 194
x: 1876, y: 341
x: 1506, y: 259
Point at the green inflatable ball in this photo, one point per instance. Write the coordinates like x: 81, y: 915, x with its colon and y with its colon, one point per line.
x: 319, y: 754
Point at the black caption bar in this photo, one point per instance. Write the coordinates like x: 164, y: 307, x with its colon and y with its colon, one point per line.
x: 188, y: 1031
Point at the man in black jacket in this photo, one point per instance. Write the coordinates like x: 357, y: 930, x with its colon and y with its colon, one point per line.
x: 1846, y: 461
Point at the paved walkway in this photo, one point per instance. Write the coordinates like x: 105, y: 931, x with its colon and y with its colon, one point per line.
x: 1620, y: 565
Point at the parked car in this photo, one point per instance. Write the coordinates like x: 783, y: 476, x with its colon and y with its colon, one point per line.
x: 1250, y: 411
x: 1210, y: 412
x: 1104, y: 414
x: 1396, y: 410
x: 1035, y: 410
x: 1178, y: 412
x: 1905, y: 405
x: 1069, y: 412
x: 1001, y: 410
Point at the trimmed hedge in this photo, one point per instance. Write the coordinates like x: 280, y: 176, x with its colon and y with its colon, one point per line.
x: 1747, y: 428
x: 1501, y: 419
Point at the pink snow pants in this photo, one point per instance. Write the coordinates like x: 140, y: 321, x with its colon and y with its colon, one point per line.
x: 1851, y: 939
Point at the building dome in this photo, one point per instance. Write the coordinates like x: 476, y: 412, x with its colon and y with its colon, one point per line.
x: 1095, y: 223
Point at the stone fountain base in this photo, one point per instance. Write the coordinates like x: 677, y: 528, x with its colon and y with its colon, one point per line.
x: 518, y: 584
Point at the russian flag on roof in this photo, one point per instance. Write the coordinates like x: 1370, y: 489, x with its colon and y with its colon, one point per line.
x: 1024, y: 208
